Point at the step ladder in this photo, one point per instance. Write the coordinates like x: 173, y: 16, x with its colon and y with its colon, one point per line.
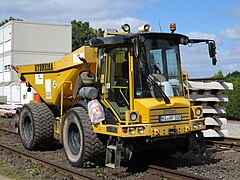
x: 113, y: 155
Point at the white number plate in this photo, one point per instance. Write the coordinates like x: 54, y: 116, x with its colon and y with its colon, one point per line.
x: 172, y: 117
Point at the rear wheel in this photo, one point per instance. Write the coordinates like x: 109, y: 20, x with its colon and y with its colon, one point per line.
x: 36, y: 126
x: 81, y: 144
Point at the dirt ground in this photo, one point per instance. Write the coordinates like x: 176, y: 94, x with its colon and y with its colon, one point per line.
x: 4, y: 178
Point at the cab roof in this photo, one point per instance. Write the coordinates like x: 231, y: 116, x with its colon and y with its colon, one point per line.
x: 127, y: 38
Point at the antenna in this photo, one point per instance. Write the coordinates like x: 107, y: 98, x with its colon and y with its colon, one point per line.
x: 160, y: 28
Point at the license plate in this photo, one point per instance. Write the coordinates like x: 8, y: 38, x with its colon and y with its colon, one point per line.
x: 172, y: 117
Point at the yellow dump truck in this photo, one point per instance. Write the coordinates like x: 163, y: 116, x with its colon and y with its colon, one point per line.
x: 122, y: 94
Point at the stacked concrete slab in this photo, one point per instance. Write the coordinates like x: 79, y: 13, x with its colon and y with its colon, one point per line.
x: 29, y: 43
x: 209, y: 93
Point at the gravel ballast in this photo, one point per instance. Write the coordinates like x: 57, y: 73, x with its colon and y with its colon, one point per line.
x: 214, y: 164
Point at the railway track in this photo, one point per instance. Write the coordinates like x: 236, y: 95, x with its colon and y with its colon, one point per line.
x: 8, y: 130
x: 174, y: 174
x: 229, y: 143
x: 52, y: 165
x: 226, y: 142
x: 158, y: 171
x: 59, y: 167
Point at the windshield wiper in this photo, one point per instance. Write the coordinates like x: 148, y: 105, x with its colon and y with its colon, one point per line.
x: 165, y: 97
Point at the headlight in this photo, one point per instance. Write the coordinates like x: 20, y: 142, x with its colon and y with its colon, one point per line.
x: 198, y: 111
x: 144, y: 28
x: 200, y: 123
x: 126, y: 28
x: 132, y: 130
x: 195, y: 125
x: 140, y: 130
x: 133, y: 116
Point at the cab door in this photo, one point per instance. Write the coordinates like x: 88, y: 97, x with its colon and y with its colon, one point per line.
x: 114, y: 78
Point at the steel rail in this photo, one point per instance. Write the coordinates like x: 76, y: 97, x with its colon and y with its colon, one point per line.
x: 175, y: 174
x: 226, y: 142
x: 8, y: 130
x: 60, y: 168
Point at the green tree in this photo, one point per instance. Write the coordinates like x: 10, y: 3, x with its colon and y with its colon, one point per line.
x: 234, y: 74
x: 219, y: 74
x: 9, y: 19
x: 82, y: 32
x: 233, y: 105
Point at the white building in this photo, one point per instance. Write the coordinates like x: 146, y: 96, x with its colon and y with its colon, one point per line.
x: 29, y: 43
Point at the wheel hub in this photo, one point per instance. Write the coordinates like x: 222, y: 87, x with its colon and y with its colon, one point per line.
x: 27, y: 128
x: 74, y: 139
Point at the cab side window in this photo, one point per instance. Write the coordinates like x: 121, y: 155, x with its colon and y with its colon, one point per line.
x: 117, y: 80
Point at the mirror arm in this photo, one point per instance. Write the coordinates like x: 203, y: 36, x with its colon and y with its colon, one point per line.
x: 211, y: 45
x: 194, y: 41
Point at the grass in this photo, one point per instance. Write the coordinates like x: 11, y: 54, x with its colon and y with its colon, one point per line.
x: 12, y: 173
x: 2, y: 133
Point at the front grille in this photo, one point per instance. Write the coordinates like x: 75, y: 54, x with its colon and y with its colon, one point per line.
x: 155, y: 113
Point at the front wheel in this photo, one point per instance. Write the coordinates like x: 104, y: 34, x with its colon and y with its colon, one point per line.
x: 80, y: 142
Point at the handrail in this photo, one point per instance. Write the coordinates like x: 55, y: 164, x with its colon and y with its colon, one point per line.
x: 120, y: 90
x: 186, y: 83
x: 61, y: 110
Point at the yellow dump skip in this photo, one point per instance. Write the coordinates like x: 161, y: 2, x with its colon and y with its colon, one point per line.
x: 48, y: 79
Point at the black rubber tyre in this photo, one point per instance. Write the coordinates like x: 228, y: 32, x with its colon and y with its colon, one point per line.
x: 184, y: 145
x: 36, y: 125
x: 80, y: 143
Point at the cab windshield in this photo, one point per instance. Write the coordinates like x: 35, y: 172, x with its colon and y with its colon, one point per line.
x: 158, y: 69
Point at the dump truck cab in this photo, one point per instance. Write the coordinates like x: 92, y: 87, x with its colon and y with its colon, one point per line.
x: 140, y: 80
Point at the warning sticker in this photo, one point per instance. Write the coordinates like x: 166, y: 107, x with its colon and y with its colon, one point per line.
x: 76, y: 57
x: 48, y: 89
x: 48, y: 95
x: 38, y: 78
x: 54, y: 84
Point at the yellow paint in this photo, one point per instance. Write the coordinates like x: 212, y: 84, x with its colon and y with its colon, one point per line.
x: 61, y: 77
x: 151, y: 108
x: 150, y: 130
x: 64, y: 70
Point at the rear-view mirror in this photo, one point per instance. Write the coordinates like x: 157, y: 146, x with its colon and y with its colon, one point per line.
x: 212, y: 49
x: 212, y: 52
